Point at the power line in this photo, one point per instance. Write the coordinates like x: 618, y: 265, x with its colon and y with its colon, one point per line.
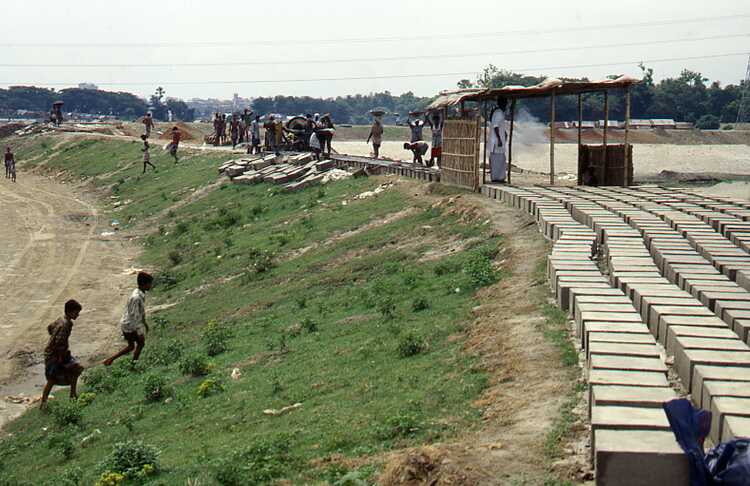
x: 394, y: 76
x: 383, y: 59
x: 366, y: 40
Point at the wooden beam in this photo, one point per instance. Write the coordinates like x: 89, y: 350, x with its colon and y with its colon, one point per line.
x: 510, y: 139
x: 603, y: 178
x: 484, y: 156
x: 552, y: 140
x: 580, y: 130
x: 626, y: 182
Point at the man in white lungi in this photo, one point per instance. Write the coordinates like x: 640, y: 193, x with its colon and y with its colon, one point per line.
x: 498, y: 142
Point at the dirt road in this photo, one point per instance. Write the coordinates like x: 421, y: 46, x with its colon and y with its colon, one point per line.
x: 51, y: 251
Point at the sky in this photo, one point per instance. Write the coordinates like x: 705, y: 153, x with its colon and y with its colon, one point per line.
x: 213, y: 49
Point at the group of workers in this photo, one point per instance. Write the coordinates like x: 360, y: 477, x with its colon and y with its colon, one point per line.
x: 240, y: 128
x: 416, y: 143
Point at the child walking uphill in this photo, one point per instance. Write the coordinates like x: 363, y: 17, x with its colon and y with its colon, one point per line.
x: 60, y: 367
x: 146, y: 155
x: 133, y: 322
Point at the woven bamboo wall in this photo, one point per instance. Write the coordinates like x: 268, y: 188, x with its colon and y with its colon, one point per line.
x: 460, y: 161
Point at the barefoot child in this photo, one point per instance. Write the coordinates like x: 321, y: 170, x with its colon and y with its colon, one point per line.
x: 133, y: 322
x: 174, y: 145
x: 60, y: 368
x: 146, y: 155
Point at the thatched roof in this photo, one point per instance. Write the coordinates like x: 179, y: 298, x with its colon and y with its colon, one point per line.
x: 545, y: 88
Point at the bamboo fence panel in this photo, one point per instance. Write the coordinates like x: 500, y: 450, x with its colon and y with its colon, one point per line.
x: 460, y: 161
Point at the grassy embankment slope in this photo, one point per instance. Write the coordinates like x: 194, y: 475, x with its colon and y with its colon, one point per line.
x: 317, y: 297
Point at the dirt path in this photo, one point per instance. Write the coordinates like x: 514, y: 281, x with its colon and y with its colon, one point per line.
x: 51, y: 251
x: 528, y: 383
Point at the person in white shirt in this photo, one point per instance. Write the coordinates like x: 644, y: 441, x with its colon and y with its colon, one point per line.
x: 497, y: 143
x: 133, y: 322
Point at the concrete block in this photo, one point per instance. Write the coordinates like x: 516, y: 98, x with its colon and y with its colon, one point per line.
x: 735, y: 427
x: 721, y: 389
x: 665, y: 322
x: 623, y: 349
x: 627, y: 363
x: 631, y: 396
x: 704, y: 373
x: 630, y: 378
x: 722, y: 407
x: 686, y: 359
x: 639, y: 458
x: 657, y: 311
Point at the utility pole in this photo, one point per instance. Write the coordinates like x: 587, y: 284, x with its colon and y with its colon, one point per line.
x: 743, y: 111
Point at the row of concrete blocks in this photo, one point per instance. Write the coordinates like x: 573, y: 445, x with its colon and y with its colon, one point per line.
x: 383, y: 167
x: 693, y: 335
x: 630, y: 437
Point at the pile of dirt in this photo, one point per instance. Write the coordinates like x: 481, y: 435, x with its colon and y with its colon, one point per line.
x: 426, y: 465
x: 188, y: 132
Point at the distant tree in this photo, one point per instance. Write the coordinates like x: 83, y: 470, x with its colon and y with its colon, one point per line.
x: 708, y: 122
x: 465, y: 84
x: 180, y: 110
x: 158, y: 108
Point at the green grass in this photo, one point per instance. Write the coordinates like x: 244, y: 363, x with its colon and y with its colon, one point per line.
x: 326, y: 322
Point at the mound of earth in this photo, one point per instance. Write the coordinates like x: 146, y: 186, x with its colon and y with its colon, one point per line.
x: 188, y: 132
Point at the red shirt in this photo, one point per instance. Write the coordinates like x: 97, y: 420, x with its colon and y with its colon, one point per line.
x: 176, y: 137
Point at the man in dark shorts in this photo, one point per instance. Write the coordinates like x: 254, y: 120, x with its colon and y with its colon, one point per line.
x: 133, y: 322
x: 419, y: 149
x: 10, y: 165
x: 60, y: 367
x: 174, y: 145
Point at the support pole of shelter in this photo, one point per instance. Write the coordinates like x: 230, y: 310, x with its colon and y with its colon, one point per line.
x: 625, y: 180
x: 552, y: 140
x: 510, y: 138
x: 604, y: 141
x: 484, y: 156
x: 580, y: 122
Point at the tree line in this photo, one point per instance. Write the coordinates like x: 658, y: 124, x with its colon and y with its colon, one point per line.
x: 688, y: 97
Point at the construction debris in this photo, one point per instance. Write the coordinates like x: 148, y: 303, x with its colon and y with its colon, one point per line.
x: 276, y: 412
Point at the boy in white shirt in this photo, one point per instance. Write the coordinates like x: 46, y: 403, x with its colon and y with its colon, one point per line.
x: 133, y: 322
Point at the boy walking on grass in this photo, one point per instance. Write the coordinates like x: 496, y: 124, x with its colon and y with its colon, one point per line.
x: 10, y: 165
x: 146, y: 155
x: 133, y: 322
x: 60, y: 367
x: 176, y: 137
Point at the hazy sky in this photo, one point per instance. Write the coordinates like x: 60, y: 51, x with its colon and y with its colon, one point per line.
x: 87, y: 37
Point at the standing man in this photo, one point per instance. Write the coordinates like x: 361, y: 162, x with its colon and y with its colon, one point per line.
x: 326, y: 133
x: 217, y: 128
x: 376, y: 135
x: 146, y: 155
x: 133, y: 322
x: 497, y: 143
x: 60, y: 367
x: 176, y: 137
x: 234, y: 130
x: 436, y: 124
x: 255, y: 134
x: 148, y: 123
x: 10, y: 165
x: 270, y: 126
x: 416, y: 125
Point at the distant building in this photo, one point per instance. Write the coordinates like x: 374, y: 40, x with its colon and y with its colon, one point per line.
x: 87, y: 86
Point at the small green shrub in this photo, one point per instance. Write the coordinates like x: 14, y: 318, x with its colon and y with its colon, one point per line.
x: 301, y: 301
x: 163, y: 353
x: 66, y: 413
x: 387, y: 308
x: 216, y: 338
x: 132, y: 459
x: 210, y: 387
x: 708, y: 122
x: 419, y: 304
x: 444, y: 268
x: 728, y: 127
x: 166, y: 280
x: 154, y: 387
x: 478, y: 267
x: 410, y: 345
x: 194, y: 364
x: 309, y: 325
x: 86, y: 399
x: 260, y: 463
x: 99, y: 379
x: 406, y: 423
x: 62, y: 443
x: 175, y: 257
x: 181, y: 228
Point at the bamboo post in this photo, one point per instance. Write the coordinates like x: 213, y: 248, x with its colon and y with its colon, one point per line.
x: 510, y: 138
x: 626, y: 180
x: 484, y: 157
x: 603, y: 180
x: 552, y: 140
x: 580, y: 121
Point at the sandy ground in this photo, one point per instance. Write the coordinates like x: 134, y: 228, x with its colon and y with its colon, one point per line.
x: 649, y: 159
x: 51, y: 251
